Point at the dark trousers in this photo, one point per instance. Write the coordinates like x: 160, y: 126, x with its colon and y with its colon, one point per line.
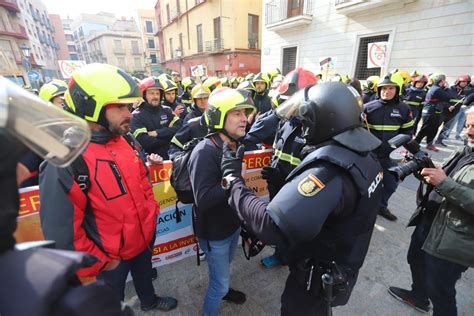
x: 432, y: 277
x: 449, y: 119
x: 141, y: 270
x: 416, y: 111
x: 429, y: 128
x: 390, y: 181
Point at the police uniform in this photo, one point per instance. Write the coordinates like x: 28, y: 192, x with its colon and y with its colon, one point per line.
x: 326, y: 210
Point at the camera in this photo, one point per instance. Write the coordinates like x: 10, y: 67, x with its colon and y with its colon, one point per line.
x: 416, y: 158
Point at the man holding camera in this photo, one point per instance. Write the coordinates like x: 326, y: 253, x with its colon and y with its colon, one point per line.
x: 442, y: 245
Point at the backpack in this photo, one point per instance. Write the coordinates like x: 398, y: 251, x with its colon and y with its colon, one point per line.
x: 180, y: 179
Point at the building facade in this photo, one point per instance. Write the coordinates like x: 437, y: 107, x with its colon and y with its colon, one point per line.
x: 59, y: 36
x: 363, y: 38
x: 151, y: 53
x: 220, y: 35
x: 40, y: 33
x: 83, y: 25
x: 121, y: 45
x: 12, y: 36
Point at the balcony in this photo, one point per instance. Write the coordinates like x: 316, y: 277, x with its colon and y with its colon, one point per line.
x: 35, y: 16
x: 253, y: 42
x: 286, y: 14
x: 42, y: 38
x: 20, y: 34
x: 215, y: 45
x: 349, y: 7
x: 10, y: 5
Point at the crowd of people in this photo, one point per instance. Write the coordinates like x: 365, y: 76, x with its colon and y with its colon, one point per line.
x: 331, y: 152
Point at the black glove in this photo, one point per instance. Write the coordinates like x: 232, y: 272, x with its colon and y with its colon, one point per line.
x: 273, y: 176
x: 231, y: 164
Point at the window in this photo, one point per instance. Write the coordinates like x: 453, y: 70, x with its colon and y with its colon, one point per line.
x: 121, y: 62
x: 217, y: 33
x: 289, y: 59
x: 253, y: 31
x: 151, y: 42
x: 149, y: 26
x: 199, y: 37
x: 171, y: 49
x: 135, y: 47
x: 138, y: 63
x: 361, y: 71
x: 178, y: 8
x: 168, y: 13
x: 69, y: 37
x: 181, y: 43
x: 295, y: 7
x: 71, y: 48
x: 118, y: 44
x: 153, y: 58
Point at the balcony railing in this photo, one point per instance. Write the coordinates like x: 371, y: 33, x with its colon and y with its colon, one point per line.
x: 215, y: 45
x: 10, y: 5
x: 280, y: 14
x: 253, y: 42
x: 19, y: 34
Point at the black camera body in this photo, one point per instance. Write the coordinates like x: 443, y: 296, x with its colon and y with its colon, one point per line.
x: 416, y: 158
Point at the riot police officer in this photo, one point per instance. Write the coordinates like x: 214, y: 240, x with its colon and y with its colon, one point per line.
x: 323, y: 216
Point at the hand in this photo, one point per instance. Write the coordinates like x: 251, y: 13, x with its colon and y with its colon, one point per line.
x: 154, y: 159
x: 273, y: 176
x: 250, y: 118
x: 451, y: 108
x: 179, y: 109
x: 153, y: 134
x: 231, y: 163
x: 112, y: 265
x: 433, y: 176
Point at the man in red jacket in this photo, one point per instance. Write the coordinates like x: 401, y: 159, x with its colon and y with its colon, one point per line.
x: 109, y: 210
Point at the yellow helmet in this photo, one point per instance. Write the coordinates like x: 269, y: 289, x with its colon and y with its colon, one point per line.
x: 371, y: 83
x: 391, y: 80
x: 274, y: 72
x: 52, y: 89
x: 405, y: 75
x: 168, y: 85
x: 188, y: 82
x: 94, y: 86
x: 263, y: 77
x: 225, y: 82
x: 200, y: 91
x: 249, y: 77
x: 224, y: 101
x: 212, y: 83
x: 164, y: 76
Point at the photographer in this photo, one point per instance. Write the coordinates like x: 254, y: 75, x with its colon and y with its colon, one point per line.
x: 442, y: 245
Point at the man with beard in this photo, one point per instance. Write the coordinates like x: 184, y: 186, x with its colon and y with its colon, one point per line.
x: 442, y: 244
x: 170, y: 98
x: 262, y: 101
x: 104, y: 203
x: 152, y: 124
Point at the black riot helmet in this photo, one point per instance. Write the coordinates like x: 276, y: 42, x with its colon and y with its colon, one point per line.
x: 331, y: 110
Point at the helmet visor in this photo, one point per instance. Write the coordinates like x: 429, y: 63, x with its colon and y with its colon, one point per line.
x: 52, y: 133
x: 291, y: 107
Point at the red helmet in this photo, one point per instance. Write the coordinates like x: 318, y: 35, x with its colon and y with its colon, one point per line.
x: 463, y: 77
x: 151, y: 82
x: 423, y: 79
x: 296, y: 80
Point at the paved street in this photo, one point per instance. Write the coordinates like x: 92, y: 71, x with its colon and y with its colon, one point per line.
x: 385, y: 265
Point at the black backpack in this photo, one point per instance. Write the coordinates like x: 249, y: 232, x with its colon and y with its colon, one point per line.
x: 180, y: 180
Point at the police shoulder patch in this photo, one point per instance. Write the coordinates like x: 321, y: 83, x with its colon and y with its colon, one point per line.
x: 310, y: 185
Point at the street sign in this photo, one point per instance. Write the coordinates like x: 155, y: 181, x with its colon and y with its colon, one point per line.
x: 33, y: 75
x: 67, y: 67
x: 376, y: 54
x: 324, y: 61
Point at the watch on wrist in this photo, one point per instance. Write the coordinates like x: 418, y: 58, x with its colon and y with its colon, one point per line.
x: 227, y: 182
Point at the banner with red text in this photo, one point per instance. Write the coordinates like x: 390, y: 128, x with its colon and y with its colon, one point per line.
x: 174, y: 241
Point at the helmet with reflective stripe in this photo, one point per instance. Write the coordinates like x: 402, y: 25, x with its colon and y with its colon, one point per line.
x: 415, y: 73
x: 200, y: 91
x: 52, y: 89
x: 371, y: 83
x: 165, y: 76
x: 225, y: 82
x: 391, y: 80
x: 212, y: 83
x: 273, y: 73
x: 223, y: 101
x: 168, y: 85
x: 262, y: 77
x: 248, y: 86
x: 296, y: 80
x: 188, y: 82
x: 94, y: 86
x: 151, y: 83
x: 404, y: 74
x: 234, y: 79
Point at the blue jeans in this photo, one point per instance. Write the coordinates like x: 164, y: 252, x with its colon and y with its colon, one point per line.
x: 141, y: 271
x: 218, y: 259
x: 432, y: 277
x: 461, y: 121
